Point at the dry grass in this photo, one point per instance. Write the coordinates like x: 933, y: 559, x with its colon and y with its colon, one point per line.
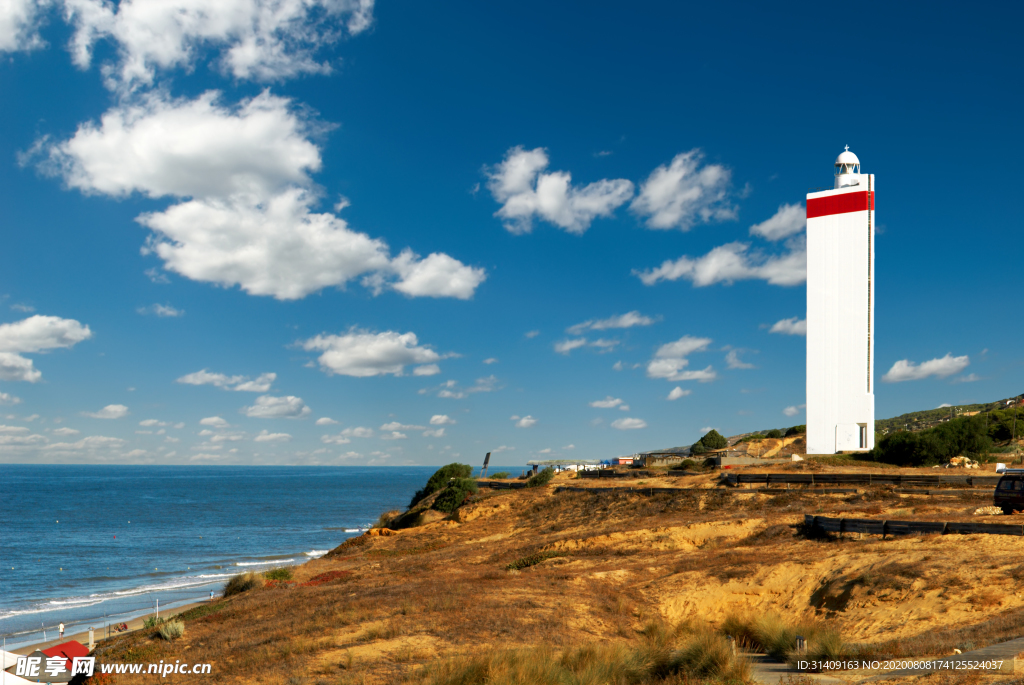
x: 361, y: 613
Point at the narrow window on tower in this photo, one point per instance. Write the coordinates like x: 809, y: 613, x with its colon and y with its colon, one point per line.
x: 863, y: 435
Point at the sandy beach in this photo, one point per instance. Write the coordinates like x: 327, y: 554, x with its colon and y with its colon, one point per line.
x: 83, y: 636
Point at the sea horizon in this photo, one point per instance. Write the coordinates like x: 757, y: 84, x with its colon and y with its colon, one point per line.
x: 94, y: 546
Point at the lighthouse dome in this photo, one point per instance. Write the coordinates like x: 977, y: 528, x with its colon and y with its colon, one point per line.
x: 847, y: 157
x: 847, y: 169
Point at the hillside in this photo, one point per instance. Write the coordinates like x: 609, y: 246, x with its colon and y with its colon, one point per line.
x: 568, y: 576
x: 927, y: 418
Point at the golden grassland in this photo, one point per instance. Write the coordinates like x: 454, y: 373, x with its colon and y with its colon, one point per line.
x: 607, y: 586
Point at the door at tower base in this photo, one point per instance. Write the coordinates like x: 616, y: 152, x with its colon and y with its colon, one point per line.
x: 840, y: 313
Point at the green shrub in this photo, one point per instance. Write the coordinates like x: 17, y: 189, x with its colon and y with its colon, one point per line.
x: 714, y: 440
x: 698, y: 448
x: 967, y: 436
x: 773, y: 434
x: 796, y: 430
x: 172, y: 630
x: 452, y: 497
x: 542, y: 478
x: 440, y: 479
x: 500, y: 475
x: 243, y: 582
x: 152, y: 622
x: 689, y: 465
x: 283, y: 573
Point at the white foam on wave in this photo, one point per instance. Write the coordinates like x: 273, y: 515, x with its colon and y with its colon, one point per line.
x: 99, y: 597
x: 264, y: 563
x: 317, y: 553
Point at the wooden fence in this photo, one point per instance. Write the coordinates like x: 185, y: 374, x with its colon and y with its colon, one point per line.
x: 858, y: 479
x: 883, y: 528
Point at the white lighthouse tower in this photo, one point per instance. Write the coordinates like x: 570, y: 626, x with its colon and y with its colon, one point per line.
x: 840, y: 312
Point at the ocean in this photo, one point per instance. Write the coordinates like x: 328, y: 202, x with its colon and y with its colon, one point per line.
x: 93, y: 545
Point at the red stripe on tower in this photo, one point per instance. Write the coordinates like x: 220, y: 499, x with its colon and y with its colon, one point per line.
x: 840, y: 204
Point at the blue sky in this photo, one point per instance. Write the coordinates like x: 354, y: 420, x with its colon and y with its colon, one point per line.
x: 342, y: 232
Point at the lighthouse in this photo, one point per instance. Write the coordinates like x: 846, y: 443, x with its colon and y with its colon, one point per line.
x: 840, y: 311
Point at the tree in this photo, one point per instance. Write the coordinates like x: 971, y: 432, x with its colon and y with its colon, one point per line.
x: 713, y: 440
x: 774, y: 433
x: 440, y: 479
x: 796, y: 430
x: 698, y: 448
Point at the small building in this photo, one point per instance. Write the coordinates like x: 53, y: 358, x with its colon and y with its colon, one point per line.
x: 624, y: 461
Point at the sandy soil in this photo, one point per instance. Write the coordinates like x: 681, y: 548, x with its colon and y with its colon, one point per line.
x: 597, y: 566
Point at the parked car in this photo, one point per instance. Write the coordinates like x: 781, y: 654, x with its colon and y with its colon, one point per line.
x: 1010, y: 491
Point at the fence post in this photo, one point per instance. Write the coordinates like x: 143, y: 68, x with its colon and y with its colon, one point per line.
x: 801, y: 645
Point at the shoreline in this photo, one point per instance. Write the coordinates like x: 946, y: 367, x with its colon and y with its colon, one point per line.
x: 83, y: 637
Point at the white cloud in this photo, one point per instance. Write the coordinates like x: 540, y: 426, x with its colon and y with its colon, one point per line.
x: 215, y: 421
x: 944, y: 405
x: 968, y: 378
x: 64, y: 431
x: 607, y: 403
x: 671, y: 358
x: 627, y: 320
x: 626, y: 424
x: 111, y: 411
x: 906, y: 370
x: 524, y: 421
x: 735, y: 262
x: 27, y: 309
x: 569, y: 447
x: 502, y: 448
x: 265, y: 436
x: 791, y: 326
x: 268, y: 407
x: 91, y: 443
x: 19, y: 25
x: 156, y: 277
x: 14, y: 429
x: 152, y: 422
x: 35, y: 334
x: 683, y: 193
x: 525, y: 192
x: 531, y: 334
x: 491, y: 360
x: 567, y: 346
x: 161, y: 310
x: 451, y: 389
x: 261, y: 383
x: 396, y: 426
x: 733, y: 361
x: 5, y: 398
x: 793, y: 411
x: 441, y: 420
x: 363, y: 354
x: 255, y: 39
x: 345, y: 436
x: 437, y: 275
x: 394, y: 435
x: 789, y: 220
x: 246, y: 215
x: 434, y: 433
x: 325, y: 421
x: 678, y: 392
x: 427, y: 370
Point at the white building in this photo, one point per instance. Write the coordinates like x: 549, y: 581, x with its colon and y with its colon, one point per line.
x: 840, y: 312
